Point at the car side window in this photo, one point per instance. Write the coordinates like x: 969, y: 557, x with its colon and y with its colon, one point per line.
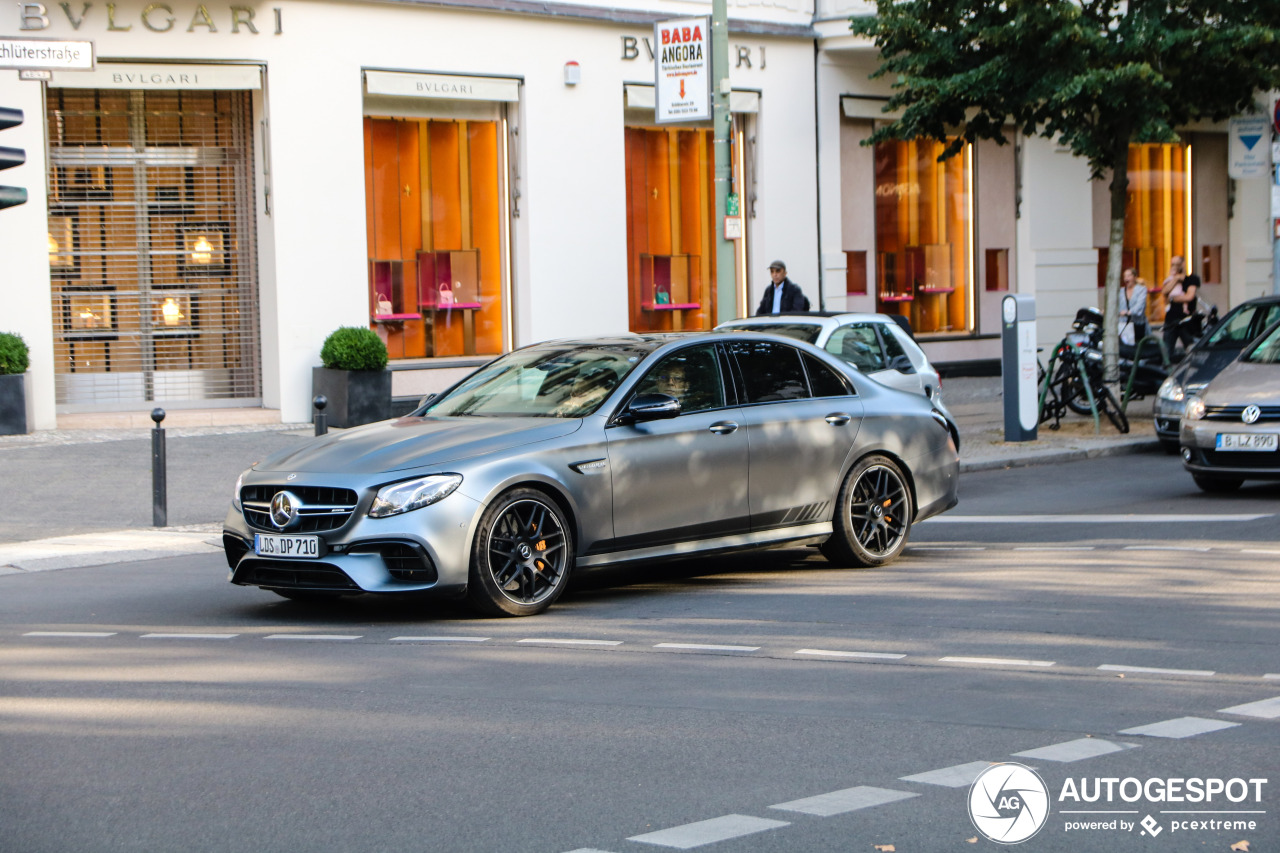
x: 1238, y: 329
x: 1272, y: 314
x: 823, y: 381
x: 858, y: 345
x: 770, y: 371
x: 690, y: 375
x: 892, y: 343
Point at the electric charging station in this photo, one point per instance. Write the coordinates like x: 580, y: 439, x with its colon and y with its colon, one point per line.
x: 1018, y: 367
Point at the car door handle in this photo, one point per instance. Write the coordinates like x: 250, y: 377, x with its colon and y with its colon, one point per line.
x: 723, y: 427
x: 838, y: 418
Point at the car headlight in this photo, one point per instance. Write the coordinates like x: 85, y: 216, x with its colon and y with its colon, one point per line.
x: 1171, y: 390
x: 235, y: 496
x: 1195, y: 409
x: 413, y: 494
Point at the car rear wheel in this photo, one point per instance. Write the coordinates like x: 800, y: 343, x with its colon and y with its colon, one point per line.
x: 521, y: 557
x: 1216, y: 485
x: 873, y: 515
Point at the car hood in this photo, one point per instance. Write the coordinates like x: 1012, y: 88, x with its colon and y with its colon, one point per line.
x: 1201, y: 365
x: 1244, y: 383
x: 415, y: 442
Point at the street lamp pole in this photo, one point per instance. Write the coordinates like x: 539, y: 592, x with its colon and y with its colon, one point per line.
x: 722, y: 127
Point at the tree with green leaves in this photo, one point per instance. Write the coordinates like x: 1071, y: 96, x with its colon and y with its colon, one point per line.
x: 1096, y: 75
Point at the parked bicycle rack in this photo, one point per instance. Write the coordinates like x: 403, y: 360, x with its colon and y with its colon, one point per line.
x: 1137, y: 360
x: 1078, y: 360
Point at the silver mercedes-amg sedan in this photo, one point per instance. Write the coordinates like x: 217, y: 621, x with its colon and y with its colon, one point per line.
x: 572, y: 454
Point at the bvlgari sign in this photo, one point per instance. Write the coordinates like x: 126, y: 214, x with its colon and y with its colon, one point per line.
x: 682, y: 69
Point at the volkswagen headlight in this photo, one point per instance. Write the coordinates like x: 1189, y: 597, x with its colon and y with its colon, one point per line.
x: 1195, y: 409
x: 409, y: 495
x: 1172, y: 391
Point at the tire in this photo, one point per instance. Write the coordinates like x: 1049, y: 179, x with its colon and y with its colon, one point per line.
x: 873, y: 515
x: 1073, y: 394
x: 1216, y: 485
x: 1107, y: 403
x: 522, y: 555
x: 1169, y: 446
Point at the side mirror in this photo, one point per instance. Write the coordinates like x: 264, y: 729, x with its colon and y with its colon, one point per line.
x: 650, y: 407
x: 426, y: 398
x: 902, y: 364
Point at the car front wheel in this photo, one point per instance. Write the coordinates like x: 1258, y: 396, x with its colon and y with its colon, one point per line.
x: 521, y: 557
x: 873, y: 515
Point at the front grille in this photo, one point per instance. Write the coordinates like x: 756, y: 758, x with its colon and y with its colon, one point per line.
x: 323, y: 508
x: 1233, y: 413
x: 283, y: 574
x: 1243, y: 459
x: 406, y: 561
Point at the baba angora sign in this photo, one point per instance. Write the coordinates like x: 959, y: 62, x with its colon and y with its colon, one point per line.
x: 682, y: 69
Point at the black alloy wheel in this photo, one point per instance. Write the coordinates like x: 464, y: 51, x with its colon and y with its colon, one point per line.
x: 873, y: 515
x: 521, y: 557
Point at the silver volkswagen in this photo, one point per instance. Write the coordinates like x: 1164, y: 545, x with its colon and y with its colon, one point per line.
x: 567, y: 455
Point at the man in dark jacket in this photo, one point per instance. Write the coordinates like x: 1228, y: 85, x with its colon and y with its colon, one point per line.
x: 784, y: 295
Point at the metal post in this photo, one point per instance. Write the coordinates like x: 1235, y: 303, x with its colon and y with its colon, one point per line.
x: 722, y: 129
x: 159, y: 500
x: 322, y: 425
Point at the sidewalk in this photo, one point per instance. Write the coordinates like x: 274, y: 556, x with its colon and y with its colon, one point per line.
x: 82, y: 497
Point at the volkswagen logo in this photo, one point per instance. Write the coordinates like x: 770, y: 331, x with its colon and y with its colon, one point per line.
x: 1250, y: 414
x: 284, y: 509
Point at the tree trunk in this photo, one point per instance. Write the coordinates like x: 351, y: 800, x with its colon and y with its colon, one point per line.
x: 1115, y: 262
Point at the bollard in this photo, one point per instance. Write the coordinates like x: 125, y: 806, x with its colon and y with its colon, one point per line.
x: 322, y: 425
x: 159, y: 501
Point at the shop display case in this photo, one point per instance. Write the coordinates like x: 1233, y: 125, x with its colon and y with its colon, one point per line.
x: 386, y: 284
x: 664, y: 283
x: 449, y: 280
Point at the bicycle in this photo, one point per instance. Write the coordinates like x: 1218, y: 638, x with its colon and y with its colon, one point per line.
x: 1077, y: 385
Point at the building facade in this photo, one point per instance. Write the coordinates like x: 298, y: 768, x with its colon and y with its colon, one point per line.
x: 233, y: 182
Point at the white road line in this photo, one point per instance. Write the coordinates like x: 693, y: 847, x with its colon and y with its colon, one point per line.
x: 1136, y: 518
x: 1266, y: 709
x: 1272, y: 675
x: 834, y: 654
x: 312, y: 637
x: 1270, y: 552
x: 998, y: 661
x: 1165, y: 548
x: 188, y: 636
x: 70, y: 634
x: 1180, y: 728
x: 958, y: 776
x: 439, y: 639
x: 1055, y: 548
x: 708, y: 831
x: 946, y: 548
x: 848, y: 800
x: 1154, y: 670
x: 1074, y: 750
x: 706, y: 648
x: 588, y: 850
x: 573, y: 642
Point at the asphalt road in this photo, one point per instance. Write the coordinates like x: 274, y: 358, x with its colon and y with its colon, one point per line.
x: 768, y: 700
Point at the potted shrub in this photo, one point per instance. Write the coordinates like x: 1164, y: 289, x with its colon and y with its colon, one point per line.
x: 13, y: 393
x: 354, y: 378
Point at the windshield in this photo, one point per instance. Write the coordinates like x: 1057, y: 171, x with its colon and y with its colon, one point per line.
x: 806, y: 332
x: 568, y: 381
x: 1266, y: 350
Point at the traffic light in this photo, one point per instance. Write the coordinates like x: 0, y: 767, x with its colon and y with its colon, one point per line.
x: 10, y: 157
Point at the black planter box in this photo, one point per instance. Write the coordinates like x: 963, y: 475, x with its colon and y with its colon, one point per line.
x: 13, y: 404
x: 355, y: 396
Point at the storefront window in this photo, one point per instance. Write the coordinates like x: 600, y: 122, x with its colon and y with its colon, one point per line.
x: 923, y: 235
x: 671, y: 270
x: 1156, y: 226
x: 434, y: 205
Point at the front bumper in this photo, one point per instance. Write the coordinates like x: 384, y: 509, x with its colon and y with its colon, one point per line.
x: 1200, y: 456
x: 425, y: 549
x: 1166, y: 415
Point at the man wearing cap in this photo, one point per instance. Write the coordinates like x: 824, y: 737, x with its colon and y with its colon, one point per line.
x: 783, y: 295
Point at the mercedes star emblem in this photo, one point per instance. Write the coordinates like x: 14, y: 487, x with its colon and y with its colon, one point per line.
x: 1250, y: 414
x: 284, y: 509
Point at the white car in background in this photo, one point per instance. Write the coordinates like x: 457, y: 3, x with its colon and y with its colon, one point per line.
x: 874, y: 343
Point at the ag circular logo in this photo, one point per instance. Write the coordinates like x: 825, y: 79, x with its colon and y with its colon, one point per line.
x: 1008, y: 803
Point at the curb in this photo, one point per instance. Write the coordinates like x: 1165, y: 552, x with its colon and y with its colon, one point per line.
x: 1047, y: 456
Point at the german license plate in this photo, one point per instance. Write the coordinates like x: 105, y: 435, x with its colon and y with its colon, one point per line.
x: 295, y: 547
x: 1247, y: 441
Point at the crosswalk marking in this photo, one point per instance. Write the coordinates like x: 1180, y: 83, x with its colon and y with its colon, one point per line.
x: 835, y: 654
x: 1073, y: 750
x: 848, y: 800
x: 1154, y: 670
x: 708, y: 831
x: 957, y: 776
x: 998, y: 661
x: 707, y: 648
x: 1182, y: 727
x: 1266, y: 709
x: 70, y: 634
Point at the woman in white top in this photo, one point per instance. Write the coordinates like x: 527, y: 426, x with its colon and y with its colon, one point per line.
x: 1133, y: 308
